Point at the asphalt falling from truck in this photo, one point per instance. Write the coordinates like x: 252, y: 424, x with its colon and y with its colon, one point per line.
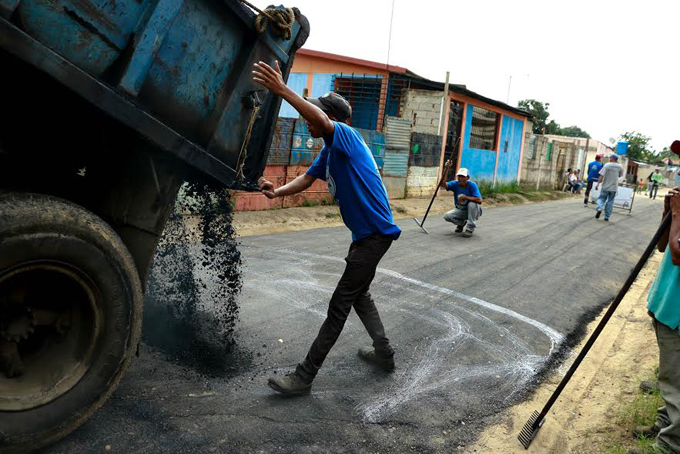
x: 191, y: 308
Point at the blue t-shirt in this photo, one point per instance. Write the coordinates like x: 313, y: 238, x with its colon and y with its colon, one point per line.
x: 350, y: 170
x: 470, y: 189
x: 594, y: 170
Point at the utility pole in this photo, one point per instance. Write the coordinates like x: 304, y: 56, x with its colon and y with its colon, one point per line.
x: 442, y: 108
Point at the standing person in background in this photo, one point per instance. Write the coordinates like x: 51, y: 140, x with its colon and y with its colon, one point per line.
x: 656, y: 178
x: 609, y: 179
x: 664, y: 307
x: 640, y: 186
x: 593, y: 175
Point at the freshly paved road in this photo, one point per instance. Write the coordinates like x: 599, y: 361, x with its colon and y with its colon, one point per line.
x: 473, y: 321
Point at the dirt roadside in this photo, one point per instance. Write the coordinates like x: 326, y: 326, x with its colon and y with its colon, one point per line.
x: 584, y: 419
x: 249, y: 223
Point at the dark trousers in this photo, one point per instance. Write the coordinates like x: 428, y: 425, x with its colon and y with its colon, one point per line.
x: 352, y: 292
x: 654, y: 189
x: 589, y: 187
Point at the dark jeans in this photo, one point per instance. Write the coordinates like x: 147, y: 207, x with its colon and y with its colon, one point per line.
x: 352, y: 291
x: 589, y: 187
x: 653, y: 190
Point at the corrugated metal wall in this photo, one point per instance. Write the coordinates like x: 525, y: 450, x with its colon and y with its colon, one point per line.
x: 397, y: 141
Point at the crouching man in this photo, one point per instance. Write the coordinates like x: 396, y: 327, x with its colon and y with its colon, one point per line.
x: 468, y: 202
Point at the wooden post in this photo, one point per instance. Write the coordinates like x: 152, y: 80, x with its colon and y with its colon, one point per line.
x: 442, y: 109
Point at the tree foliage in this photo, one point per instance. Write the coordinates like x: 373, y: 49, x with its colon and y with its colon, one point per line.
x: 639, y: 148
x: 540, y: 114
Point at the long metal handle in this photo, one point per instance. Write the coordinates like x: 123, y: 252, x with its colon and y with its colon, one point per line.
x: 665, y: 225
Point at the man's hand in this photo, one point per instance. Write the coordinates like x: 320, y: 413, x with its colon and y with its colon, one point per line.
x: 462, y: 198
x: 597, y: 187
x: 267, y: 187
x: 270, y: 78
x: 448, y: 163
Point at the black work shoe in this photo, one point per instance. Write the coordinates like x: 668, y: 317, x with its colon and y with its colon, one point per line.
x: 598, y: 214
x: 368, y: 354
x: 606, y: 219
x: 467, y: 234
x: 645, y: 431
x: 649, y: 387
x: 459, y: 229
x: 290, y: 385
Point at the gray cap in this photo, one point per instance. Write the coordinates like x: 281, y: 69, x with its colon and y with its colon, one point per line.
x: 334, y: 105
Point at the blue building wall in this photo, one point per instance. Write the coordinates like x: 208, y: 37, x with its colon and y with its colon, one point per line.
x: 297, y: 82
x: 512, y: 132
x: 480, y: 163
x: 321, y: 84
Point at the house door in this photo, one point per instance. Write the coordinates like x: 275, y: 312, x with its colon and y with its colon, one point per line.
x: 453, y: 145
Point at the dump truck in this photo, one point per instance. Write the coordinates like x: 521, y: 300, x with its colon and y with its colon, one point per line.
x: 108, y: 107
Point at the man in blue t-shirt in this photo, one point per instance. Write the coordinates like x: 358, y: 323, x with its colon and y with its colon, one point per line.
x: 350, y: 170
x: 593, y: 175
x: 467, y: 199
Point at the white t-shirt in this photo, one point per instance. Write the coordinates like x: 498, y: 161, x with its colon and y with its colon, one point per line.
x: 572, y: 178
x: 611, y: 172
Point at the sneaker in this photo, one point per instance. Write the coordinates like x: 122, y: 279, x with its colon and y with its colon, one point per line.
x: 598, y: 214
x: 645, y: 431
x: 649, y: 387
x: 368, y: 355
x: 467, y: 234
x: 459, y: 229
x: 290, y: 385
x: 606, y: 219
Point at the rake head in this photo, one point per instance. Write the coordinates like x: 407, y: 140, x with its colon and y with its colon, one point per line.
x: 528, y: 433
x: 421, y: 225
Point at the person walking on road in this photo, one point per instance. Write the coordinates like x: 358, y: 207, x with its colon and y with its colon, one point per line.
x: 350, y: 170
x: 664, y: 307
x: 656, y: 178
x: 467, y: 200
x: 593, y: 175
x: 609, y: 179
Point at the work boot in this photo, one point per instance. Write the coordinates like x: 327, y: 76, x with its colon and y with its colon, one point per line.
x: 645, y: 431
x: 467, y: 234
x: 291, y: 385
x: 459, y: 229
x: 598, y: 214
x: 649, y: 387
x: 368, y: 355
x: 585, y: 201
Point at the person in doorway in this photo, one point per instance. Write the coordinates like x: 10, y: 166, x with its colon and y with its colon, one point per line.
x: 593, y: 175
x: 350, y: 170
x: 655, y: 178
x: 467, y: 200
x: 609, y: 179
x: 664, y: 307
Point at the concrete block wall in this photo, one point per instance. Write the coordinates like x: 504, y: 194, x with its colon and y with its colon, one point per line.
x: 422, y: 107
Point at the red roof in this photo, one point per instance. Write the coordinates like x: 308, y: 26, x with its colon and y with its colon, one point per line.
x: 356, y: 61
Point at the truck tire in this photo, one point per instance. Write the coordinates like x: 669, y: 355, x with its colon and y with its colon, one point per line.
x: 71, y: 300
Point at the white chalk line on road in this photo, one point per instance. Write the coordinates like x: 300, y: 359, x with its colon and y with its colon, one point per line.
x: 421, y: 378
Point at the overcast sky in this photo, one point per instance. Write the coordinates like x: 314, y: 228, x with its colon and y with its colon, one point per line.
x: 606, y: 66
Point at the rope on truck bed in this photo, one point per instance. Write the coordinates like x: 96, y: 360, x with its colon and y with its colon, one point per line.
x: 281, y: 20
x: 244, y: 146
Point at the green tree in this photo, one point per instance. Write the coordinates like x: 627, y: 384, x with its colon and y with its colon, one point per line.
x: 638, y: 146
x: 539, y: 112
x: 574, y: 131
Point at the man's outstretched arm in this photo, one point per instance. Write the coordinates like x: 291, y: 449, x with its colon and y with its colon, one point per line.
x: 297, y: 185
x: 272, y: 80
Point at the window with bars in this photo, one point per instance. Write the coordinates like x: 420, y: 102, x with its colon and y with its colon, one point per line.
x: 484, y: 129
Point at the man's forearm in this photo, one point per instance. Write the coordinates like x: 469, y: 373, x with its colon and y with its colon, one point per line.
x: 297, y: 185
x: 309, y: 111
x: 473, y: 199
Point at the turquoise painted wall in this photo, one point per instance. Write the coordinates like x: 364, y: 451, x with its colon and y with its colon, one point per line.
x: 298, y: 82
x: 512, y: 133
x: 480, y: 163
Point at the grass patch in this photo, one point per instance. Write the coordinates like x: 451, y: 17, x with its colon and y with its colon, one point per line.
x: 486, y: 188
x: 641, y: 411
x: 400, y: 209
x: 332, y: 215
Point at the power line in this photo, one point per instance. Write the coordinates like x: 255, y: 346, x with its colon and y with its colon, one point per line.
x: 389, y: 38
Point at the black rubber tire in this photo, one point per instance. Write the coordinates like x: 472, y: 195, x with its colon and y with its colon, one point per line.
x: 39, y: 227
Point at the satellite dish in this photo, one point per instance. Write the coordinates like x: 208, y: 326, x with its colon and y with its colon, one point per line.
x: 612, y: 140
